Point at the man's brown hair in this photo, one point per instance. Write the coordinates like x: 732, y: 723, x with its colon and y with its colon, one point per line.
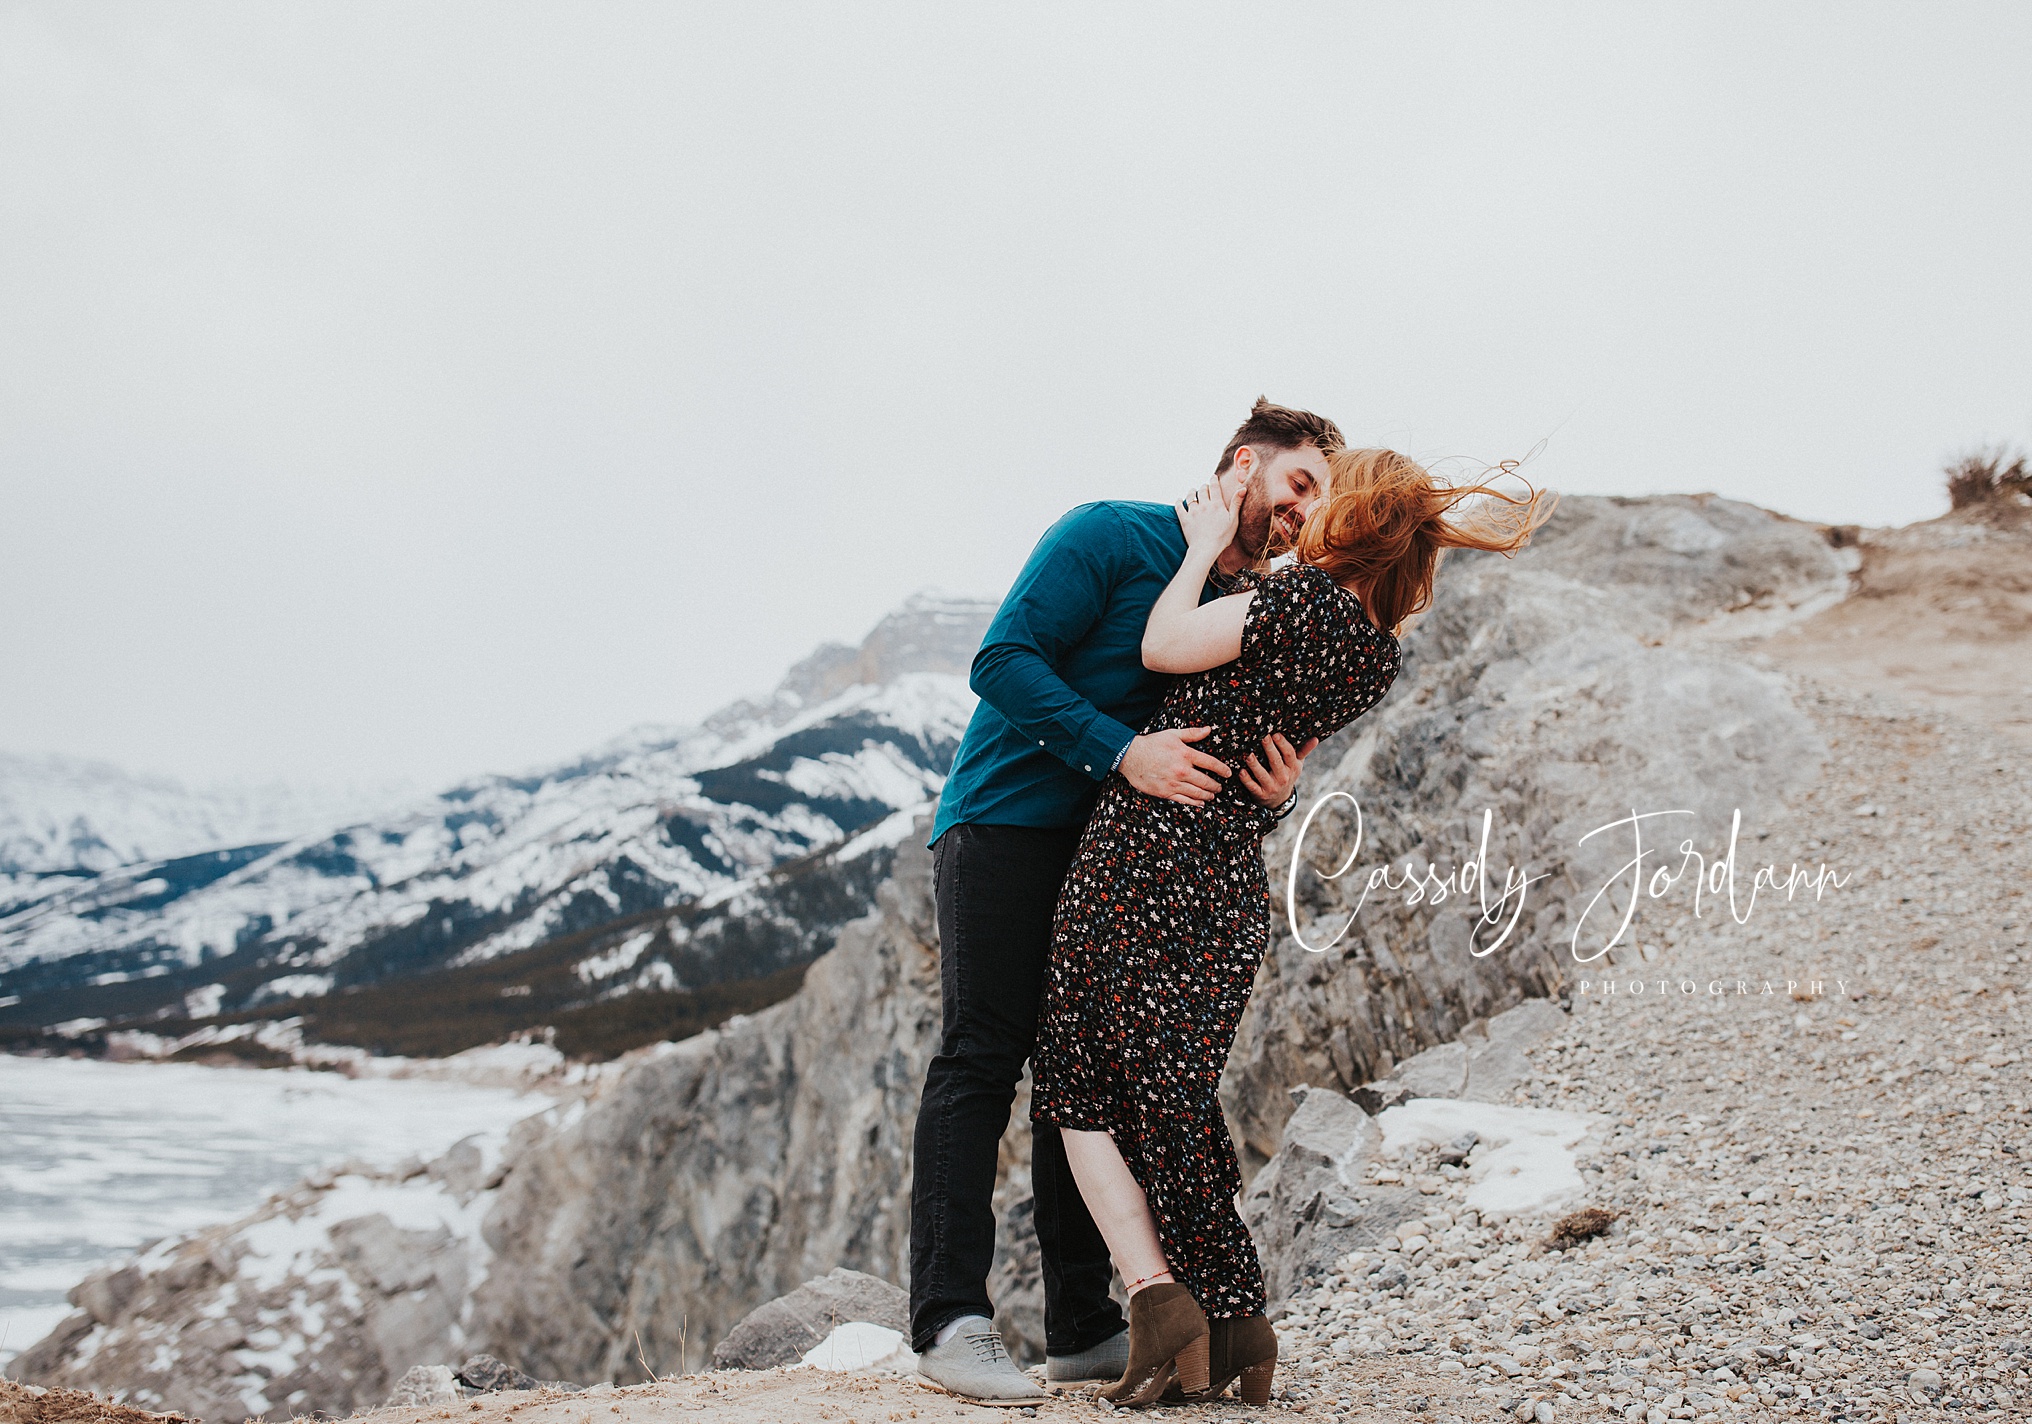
x: 1279, y: 427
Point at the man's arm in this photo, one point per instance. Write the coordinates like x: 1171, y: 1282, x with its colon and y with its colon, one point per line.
x: 1054, y: 603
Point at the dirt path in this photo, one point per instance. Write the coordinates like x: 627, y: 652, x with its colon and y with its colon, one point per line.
x: 1941, y: 615
x: 780, y: 1396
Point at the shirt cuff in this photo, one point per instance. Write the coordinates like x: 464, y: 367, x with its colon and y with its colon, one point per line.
x: 1100, y: 751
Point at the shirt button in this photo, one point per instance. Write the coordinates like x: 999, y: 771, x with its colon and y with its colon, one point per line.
x: 1090, y: 766
x: 1040, y: 744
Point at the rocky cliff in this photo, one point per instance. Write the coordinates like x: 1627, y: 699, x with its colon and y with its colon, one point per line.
x: 1592, y: 676
x: 743, y: 1163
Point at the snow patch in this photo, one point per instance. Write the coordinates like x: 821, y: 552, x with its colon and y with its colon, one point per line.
x: 616, y: 960
x: 1523, y: 1162
x: 294, y: 986
x: 280, y: 1246
x: 861, y: 1346
x: 891, y: 830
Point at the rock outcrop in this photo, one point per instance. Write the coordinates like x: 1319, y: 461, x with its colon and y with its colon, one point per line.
x: 486, y: 1375
x: 425, y: 1387
x: 1589, y: 678
x: 319, y: 1300
x: 730, y: 1170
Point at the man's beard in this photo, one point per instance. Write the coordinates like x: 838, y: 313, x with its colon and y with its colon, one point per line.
x: 1256, y: 533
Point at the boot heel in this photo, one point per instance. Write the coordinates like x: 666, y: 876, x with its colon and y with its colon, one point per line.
x: 1167, y: 1344
x: 1256, y: 1382
x: 1193, y: 1367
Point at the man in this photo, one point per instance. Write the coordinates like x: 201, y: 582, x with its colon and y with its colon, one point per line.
x: 1062, y: 686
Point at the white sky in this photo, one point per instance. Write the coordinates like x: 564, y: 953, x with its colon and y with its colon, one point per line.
x: 416, y: 390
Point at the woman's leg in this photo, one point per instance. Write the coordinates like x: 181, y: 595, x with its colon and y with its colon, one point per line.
x: 1168, y: 1336
x: 1118, y: 1207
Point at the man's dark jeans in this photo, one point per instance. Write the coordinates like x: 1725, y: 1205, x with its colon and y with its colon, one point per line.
x: 996, y: 887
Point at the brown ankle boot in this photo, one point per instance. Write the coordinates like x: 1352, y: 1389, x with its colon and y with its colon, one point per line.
x: 1167, y: 1342
x: 1244, y: 1348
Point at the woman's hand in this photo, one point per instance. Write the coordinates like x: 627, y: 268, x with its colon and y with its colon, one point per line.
x: 1181, y: 635
x: 1207, y: 519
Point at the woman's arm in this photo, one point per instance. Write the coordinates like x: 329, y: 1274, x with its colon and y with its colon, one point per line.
x: 1184, y: 635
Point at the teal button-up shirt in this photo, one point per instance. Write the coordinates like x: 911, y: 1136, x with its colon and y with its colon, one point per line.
x: 1060, y: 674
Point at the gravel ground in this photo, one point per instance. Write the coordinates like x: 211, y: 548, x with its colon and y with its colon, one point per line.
x: 1822, y: 1193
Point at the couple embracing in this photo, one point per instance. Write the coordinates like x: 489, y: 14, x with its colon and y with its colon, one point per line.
x: 1149, y: 690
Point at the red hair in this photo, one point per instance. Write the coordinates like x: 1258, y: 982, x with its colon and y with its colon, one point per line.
x: 1386, y: 520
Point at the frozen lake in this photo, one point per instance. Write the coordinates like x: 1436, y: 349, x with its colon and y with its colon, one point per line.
x: 97, y: 1158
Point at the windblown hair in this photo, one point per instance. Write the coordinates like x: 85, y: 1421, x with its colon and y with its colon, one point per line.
x: 1279, y: 427
x: 1386, y: 520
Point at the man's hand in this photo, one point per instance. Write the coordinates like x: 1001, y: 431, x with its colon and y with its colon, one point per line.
x: 1167, y: 766
x: 1273, y: 784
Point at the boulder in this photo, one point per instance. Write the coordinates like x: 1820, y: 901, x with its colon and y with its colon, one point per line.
x: 424, y: 1387
x: 105, y: 1295
x: 1485, y: 1064
x: 463, y: 1168
x: 1311, y: 1203
x: 489, y: 1375
x: 784, y: 1330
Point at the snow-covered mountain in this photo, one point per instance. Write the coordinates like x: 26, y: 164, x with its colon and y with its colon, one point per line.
x: 66, y: 815
x: 671, y: 858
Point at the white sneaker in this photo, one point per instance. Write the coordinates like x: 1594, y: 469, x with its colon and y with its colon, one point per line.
x: 974, y: 1364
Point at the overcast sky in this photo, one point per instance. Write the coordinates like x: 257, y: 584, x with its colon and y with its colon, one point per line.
x: 421, y: 389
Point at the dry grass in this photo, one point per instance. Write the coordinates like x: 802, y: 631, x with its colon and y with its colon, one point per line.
x: 19, y: 1405
x: 1577, y: 1227
x: 1990, y: 476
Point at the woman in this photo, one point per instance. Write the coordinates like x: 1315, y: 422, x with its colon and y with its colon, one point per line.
x: 1165, y: 914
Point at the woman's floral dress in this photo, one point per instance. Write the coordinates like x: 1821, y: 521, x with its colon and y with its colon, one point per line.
x: 1165, y: 917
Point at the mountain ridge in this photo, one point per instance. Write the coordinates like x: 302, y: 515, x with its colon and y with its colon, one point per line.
x: 703, y: 837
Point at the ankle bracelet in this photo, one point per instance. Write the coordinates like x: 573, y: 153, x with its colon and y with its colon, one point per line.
x: 1138, y: 1285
